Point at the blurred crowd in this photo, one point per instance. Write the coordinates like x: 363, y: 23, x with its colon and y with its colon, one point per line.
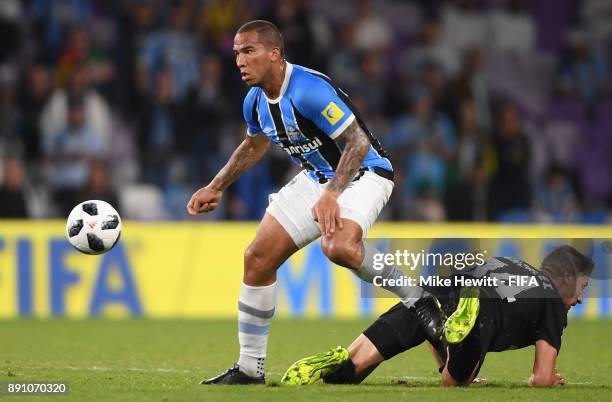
x: 492, y: 110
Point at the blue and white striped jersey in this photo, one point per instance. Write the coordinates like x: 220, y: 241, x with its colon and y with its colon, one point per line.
x: 304, y: 120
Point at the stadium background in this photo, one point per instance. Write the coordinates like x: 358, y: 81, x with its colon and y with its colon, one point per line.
x: 495, y: 113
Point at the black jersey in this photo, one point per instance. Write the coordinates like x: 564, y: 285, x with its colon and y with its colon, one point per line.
x: 511, y: 315
x: 517, y: 312
x: 523, y: 308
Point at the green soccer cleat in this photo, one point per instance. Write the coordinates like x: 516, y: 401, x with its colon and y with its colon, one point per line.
x: 461, y: 322
x: 310, y: 369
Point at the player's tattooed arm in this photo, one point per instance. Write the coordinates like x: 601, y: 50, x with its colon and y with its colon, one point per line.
x: 356, y: 145
x: 244, y: 157
x: 327, y: 211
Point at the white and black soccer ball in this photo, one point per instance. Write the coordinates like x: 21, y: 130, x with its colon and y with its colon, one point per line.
x: 93, y: 227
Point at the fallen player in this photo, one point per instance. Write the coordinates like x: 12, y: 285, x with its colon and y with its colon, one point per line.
x: 492, y: 319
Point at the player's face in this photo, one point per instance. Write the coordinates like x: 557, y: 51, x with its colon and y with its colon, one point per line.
x: 575, y: 291
x: 253, y: 58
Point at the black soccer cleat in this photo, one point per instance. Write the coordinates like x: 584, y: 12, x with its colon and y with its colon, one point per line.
x: 429, y: 313
x: 234, y: 376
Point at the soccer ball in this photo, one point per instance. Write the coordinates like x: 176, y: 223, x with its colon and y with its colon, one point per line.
x: 93, y: 227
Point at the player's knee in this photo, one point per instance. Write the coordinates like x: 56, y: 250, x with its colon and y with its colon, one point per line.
x: 340, y: 253
x: 447, y: 379
x: 330, y: 249
x: 255, y: 265
x: 448, y: 382
x: 456, y: 379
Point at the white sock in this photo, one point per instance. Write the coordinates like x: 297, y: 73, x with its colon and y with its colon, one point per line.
x: 408, y: 294
x: 255, y: 310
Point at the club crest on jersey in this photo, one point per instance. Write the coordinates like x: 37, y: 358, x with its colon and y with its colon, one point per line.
x: 295, y: 135
x: 303, y: 148
x: 332, y: 113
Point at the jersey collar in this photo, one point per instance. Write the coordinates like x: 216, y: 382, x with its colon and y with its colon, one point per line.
x: 288, y: 72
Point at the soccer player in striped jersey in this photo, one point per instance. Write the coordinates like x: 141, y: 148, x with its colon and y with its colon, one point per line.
x: 346, y: 180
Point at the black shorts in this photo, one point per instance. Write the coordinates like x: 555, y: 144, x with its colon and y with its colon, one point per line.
x: 395, y: 331
x: 468, y: 356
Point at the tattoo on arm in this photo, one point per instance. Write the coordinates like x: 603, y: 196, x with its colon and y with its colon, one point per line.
x: 356, y: 145
x: 244, y: 157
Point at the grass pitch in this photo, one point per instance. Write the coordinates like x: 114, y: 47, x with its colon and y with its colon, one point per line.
x: 152, y: 360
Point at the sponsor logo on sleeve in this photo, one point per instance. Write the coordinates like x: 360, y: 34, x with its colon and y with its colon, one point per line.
x: 332, y: 113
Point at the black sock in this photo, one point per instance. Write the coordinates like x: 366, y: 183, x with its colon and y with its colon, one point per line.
x: 344, y: 375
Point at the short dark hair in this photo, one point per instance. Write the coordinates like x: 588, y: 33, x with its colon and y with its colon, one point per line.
x: 566, y: 259
x: 267, y: 31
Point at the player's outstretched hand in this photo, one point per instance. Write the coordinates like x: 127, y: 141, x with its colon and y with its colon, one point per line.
x: 204, y: 200
x: 327, y: 212
x: 558, y: 380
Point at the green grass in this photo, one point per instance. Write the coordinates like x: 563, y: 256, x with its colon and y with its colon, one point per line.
x: 164, y: 361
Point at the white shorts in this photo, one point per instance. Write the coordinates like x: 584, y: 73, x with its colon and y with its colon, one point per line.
x: 361, y: 202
